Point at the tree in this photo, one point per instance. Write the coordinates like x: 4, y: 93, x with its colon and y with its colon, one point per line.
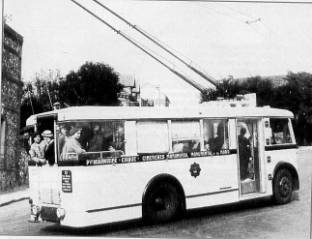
x: 295, y: 95
x: 92, y: 84
x: 30, y: 104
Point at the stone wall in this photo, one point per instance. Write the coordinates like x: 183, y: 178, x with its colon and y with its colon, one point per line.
x: 13, y: 169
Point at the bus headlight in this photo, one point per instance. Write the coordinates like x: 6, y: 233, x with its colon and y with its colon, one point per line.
x: 60, y: 213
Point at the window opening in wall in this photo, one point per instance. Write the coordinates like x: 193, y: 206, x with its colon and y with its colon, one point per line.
x: 215, y: 134
x: 185, y: 136
x: 152, y: 137
x: 280, y: 131
x: 90, y: 140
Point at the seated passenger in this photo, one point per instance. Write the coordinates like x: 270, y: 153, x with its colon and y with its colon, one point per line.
x: 62, y: 137
x: 278, y: 138
x: 187, y: 146
x: 108, y: 140
x: 96, y: 142
x: 215, y: 144
x: 72, y: 144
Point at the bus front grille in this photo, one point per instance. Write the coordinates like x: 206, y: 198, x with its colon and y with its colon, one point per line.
x: 49, y: 214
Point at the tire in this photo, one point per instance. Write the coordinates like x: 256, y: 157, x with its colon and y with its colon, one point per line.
x: 161, y: 203
x: 283, y: 186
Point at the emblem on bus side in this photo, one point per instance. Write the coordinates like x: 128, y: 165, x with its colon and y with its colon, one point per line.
x: 195, y: 170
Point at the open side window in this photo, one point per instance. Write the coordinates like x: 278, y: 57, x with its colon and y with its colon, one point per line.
x: 281, y: 131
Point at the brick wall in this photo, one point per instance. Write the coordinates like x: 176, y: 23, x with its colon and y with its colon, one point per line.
x: 13, y: 170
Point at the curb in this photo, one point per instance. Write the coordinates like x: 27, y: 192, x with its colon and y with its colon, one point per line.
x: 13, y: 201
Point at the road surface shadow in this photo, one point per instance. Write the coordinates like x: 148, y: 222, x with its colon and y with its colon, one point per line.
x: 240, y: 207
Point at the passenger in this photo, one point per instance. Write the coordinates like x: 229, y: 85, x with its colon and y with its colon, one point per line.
x: 72, y: 144
x: 48, y: 146
x: 62, y: 136
x: 216, y: 144
x: 120, y: 142
x: 26, y: 141
x: 36, y: 151
x: 278, y: 135
x: 108, y: 140
x: 244, y: 153
x: 191, y: 146
x: 96, y: 142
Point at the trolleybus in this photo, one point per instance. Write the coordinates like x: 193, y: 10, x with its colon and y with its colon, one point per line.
x: 114, y: 164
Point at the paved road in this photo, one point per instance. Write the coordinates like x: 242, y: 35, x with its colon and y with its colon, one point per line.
x: 254, y: 219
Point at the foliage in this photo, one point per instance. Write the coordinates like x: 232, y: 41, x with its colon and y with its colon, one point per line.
x: 294, y: 94
x: 92, y: 84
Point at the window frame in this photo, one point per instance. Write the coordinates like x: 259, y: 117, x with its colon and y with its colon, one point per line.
x: 227, y: 136
x: 290, y: 129
x: 89, y: 122
x: 150, y: 121
x: 200, y: 138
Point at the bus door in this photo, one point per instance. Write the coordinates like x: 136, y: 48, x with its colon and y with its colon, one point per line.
x: 43, y: 178
x: 249, y: 155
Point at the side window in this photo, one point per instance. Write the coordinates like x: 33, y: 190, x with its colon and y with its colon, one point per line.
x: 185, y: 136
x: 280, y: 131
x: 215, y: 134
x: 76, y: 138
x: 152, y: 137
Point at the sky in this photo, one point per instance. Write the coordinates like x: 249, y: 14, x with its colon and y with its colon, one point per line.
x: 238, y: 39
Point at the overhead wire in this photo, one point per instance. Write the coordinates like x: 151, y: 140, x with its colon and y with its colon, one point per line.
x: 158, y: 43
x: 138, y: 45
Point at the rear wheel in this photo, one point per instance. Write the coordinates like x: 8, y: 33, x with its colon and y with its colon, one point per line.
x: 161, y: 203
x: 283, y: 186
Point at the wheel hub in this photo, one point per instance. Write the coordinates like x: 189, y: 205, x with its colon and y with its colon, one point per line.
x: 285, y: 186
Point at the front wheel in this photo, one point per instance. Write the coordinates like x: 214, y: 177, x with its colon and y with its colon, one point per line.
x: 161, y: 203
x: 282, y: 186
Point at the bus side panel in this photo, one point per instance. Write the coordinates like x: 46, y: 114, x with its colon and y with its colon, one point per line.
x: 216, y: 184
x: 111, y: 193
x: 272, y: 158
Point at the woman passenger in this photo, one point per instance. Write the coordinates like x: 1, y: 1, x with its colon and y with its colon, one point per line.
x: 36, y: 151
x: 72, y: 144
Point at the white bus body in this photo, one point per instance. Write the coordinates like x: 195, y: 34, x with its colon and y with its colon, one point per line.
x: 84, y: 190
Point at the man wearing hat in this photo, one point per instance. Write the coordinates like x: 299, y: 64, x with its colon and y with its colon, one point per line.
x: 47, y: 146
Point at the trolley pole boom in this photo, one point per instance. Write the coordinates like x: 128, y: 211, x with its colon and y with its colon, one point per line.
x: 197, y: 71
x: 191, y: 82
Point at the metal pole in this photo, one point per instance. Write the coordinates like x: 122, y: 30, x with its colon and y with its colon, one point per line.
x: 149, y: 37
x: 1, y: 51
x: 190, y: 81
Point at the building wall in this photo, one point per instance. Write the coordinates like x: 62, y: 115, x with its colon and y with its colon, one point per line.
x: 12, y: 170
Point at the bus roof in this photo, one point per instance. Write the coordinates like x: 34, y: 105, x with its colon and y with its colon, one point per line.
x: 128, y: 113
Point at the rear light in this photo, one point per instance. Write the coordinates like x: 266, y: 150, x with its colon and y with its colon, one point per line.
x: 60, y: 213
